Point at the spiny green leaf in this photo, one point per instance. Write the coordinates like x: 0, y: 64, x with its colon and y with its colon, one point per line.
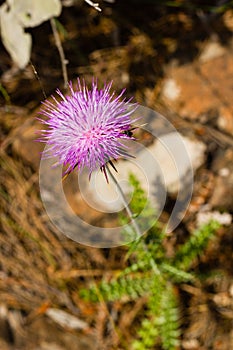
x: 195, y: 246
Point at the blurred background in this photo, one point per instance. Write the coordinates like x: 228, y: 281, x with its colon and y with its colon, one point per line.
x: 175, y: 57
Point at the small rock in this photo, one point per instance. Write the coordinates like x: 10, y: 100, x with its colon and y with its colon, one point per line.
x: 165, y: 163
x: 196, y: 89
x: 223, y: 166
x: 171, y: 90
x: 211, y: 50
x: 203, y: 217
x: 221, y: 197
x: 191, y: 344
x: 224, y: 172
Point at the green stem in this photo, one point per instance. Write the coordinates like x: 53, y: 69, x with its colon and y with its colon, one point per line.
x: 127, y: 208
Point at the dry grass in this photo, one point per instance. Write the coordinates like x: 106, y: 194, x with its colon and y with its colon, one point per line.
x: 39, y: 266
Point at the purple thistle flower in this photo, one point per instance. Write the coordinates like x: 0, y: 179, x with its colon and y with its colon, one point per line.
x: 85, y: 128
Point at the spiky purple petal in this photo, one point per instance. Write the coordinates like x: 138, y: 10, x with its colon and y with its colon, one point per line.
x: 85, y: 127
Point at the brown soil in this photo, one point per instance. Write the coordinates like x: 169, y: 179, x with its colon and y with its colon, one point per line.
x: 137, y: 45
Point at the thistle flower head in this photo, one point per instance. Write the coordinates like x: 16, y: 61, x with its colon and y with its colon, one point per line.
x: 86, y: 127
